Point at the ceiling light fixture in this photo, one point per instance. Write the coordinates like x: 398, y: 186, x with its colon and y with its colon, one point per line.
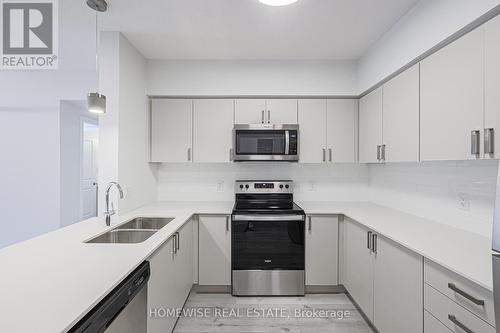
x: 278, y: 2
x: 95, y: 101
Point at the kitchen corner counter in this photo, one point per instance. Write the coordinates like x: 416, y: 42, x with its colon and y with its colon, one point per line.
x: 53, y: 280
x: 462, y: 252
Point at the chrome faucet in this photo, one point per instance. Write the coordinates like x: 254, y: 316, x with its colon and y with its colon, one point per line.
x: 109, y: 212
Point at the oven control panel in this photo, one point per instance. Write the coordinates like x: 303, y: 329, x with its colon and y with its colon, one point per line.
x: 254, y: 186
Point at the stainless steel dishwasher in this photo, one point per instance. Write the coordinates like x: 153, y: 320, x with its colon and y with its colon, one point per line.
x: 123, y: 310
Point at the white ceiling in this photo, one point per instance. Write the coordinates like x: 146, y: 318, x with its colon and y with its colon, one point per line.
x: 247, y: 29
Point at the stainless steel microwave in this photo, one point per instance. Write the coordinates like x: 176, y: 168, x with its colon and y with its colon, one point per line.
x: 266, y: 142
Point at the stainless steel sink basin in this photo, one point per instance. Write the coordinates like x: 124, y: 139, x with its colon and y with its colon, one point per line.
x: 150, y: 223
x: 123, y: 236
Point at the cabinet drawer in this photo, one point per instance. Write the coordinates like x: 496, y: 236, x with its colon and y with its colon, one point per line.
x: 432, y: 325
x: 460, y: 290
x: 453, y: 315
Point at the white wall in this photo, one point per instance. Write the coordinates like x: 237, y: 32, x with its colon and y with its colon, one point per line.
x: 29, y: 165
x: 123, y: 130
x: 208, y: 182
x: 423, y: 27
x: 212, y: 77
x: 432, y: 190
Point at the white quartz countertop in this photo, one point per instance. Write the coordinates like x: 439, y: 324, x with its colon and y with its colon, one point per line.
x: 52, y: 281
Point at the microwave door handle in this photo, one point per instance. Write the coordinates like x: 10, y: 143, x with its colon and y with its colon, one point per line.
x: 287, y: 143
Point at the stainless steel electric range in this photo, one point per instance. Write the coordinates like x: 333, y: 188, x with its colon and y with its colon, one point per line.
x: 267, y: 240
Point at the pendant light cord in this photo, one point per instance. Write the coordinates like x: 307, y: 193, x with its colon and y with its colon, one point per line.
x: 97, y: 49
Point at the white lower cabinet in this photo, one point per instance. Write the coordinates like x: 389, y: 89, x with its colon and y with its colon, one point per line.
x: 432, y: 325
x: 384, y: 279
x: 171, y: 279
x: 322, y: 250
x: 214, y: 250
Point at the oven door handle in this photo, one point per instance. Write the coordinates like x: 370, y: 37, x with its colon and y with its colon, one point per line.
x: 271, y: 218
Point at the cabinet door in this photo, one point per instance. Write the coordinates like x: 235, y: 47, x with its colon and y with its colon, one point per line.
x: 213, y: 128
x: 162, y: 289
x: 215, y: 250
x: 281, y: 111
x: 312, y: 116
x: 398, y: 289
x: 370, y: 126
x: 249, y: 111
x: 341, y: 130
x: 492, y: 84
x: 401, y: 117
x: 171, y: 130
x: 184, y: 262
x: 322, y: 250
x: 451, y: 99
x: 358, y: 265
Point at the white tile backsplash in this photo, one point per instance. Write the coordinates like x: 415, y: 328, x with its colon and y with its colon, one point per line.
x: 432, y: 190
x: 460, y: 194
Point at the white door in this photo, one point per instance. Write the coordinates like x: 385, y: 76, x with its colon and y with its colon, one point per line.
x: 451, y: 99
x: 281, y: 111
x: 312, y: 130
x: 322, y: 250
x: 162, y: 288
x: 214, y: 250
x: 250, y: 111
x: 341, y: 120
x: 370, y: 126
x: 88, y: 170
x: 398, y: 289
x: 358, y: 265
x: 171, y: 130
x: 212, y: 128
x: 492, y: 87
x: 401, y: 117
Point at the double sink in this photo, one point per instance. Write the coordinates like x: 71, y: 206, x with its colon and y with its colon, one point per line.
x: 135, y: 231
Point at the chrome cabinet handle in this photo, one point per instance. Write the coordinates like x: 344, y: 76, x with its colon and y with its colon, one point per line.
x: 378, y: 153
x: 189, y: 154
x: 227, y: 223
x: 268, y: 116
x: 178, y: 241
x: 455, y: 321
x: 310, y: 224
x: 231, y: 155
x: 369, y: 240
x: 489, y: 141
x: 324, y: 155
x: 374, y: 243
x: 263, y: 116
x: 459, y: 291
x: 330, y: 154
x: 174, y: 244
x: 382, y: 156
x: 475, y: 143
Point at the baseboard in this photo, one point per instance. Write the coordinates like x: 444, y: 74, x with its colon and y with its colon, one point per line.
x: 365, y: 317
x: 219, y: 289
x: 339, y: 289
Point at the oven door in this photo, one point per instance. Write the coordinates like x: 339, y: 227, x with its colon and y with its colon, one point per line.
x: 268, y: 255
x: 265, y: 143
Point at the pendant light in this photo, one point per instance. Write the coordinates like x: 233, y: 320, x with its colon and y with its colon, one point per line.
x: 95, y: 101
x: 277, y: 3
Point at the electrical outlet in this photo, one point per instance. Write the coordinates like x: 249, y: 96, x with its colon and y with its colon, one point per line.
x: 312, y: 187
x: 220, y: 186
x: 463, y: 201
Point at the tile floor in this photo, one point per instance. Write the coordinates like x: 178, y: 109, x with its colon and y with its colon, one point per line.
x: 207, y: 313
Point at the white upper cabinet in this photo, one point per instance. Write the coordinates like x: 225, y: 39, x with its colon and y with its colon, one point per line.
x: 341, y: 122
x: 212, y: 128
x: 451, y: 100
x: 401, y: 117
x: 492, y: 89
x: 281, y: 111
x: 171, y: 130
x: 250, y: 111
x: 312, y: 115
x: 370, y: 126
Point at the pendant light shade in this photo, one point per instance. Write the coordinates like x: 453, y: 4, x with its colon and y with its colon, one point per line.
x: 96, y: 103
x: 278, y: 2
